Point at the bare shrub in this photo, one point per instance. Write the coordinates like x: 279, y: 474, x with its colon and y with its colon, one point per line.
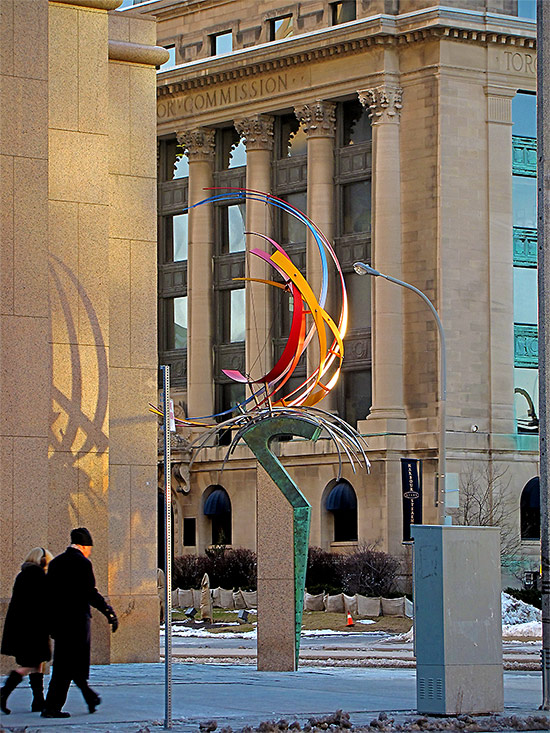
x: 369, y: 571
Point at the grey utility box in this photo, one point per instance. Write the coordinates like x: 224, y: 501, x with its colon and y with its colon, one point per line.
x: 457, y: 617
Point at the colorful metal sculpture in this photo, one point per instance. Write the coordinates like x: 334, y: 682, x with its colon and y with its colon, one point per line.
x: 267, y: 412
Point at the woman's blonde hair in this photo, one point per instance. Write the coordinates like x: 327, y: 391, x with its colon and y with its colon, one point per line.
x: 39, y: 556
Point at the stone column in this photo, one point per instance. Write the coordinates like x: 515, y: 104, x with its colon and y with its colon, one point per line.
x: 500, y: 258
x: 199, y: 144
x: 318, y: 121
x: 384, y: 103
x: 257, y: 133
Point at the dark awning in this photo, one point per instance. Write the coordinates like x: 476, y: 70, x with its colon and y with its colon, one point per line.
x: 218, y: 502
x: 341, y: 496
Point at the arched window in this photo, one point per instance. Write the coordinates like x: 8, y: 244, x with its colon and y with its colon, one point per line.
x: 341, y: 500
x: 217, y: 506
x: 529, y: 510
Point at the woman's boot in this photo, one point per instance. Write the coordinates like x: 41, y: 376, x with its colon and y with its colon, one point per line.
x: 14, y: 678
x: 36, y: 680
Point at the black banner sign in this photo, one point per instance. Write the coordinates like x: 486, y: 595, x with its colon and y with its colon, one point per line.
x: 411, y: 485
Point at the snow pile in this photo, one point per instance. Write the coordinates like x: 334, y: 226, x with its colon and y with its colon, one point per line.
x: 519, y: 619
x: 518, y: 612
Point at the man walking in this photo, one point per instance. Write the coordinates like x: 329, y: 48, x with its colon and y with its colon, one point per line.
x: 71, y: 592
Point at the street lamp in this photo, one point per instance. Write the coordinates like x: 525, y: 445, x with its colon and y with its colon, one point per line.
x: 363, y: 269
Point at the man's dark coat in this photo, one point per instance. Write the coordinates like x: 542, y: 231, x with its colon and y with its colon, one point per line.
x: 71, y: 592
x: 25, y: 634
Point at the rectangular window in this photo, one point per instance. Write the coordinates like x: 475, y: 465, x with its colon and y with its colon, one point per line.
x: 282, y: 27
x: 233, y: 228
x: 221, y: 43
x: 171, y: 63
x: 525, y: 295
x: 176, y: 323
x: 293, y: 231
x: 524, y: 196
x: 359, y: 299
x: 524, y: 114
x: 356, y: 204
x: 357, y: 395
x: 179, y: 237
x: 237, y: 321
x: 343, y: 11
x: 527, y: 9
x: 189, y: 532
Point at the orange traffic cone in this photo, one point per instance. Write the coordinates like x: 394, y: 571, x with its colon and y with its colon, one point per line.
x: 350, y: 621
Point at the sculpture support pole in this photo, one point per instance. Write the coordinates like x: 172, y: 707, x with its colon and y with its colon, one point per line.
x: 258, y: 439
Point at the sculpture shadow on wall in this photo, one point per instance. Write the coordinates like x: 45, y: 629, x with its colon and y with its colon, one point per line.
x: 78, y: 446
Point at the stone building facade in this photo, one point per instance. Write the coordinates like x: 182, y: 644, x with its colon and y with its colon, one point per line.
x: 391, y: 124
x: 78, y: 302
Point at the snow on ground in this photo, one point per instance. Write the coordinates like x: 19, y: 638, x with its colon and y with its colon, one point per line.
x: 519, y: 619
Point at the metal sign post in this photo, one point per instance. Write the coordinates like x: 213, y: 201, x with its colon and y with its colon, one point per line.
x: 167, y: 550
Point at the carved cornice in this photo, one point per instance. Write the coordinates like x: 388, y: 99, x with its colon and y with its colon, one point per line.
x: 384, y: 103
x: 205, y: 76
x: 198, y: 143
x: 318, y: 119
x: 256, y: 131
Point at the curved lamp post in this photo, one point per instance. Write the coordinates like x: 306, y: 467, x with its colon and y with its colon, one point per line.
x: 361, y: 268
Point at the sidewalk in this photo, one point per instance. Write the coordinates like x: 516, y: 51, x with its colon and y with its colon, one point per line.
x: 237, y: 695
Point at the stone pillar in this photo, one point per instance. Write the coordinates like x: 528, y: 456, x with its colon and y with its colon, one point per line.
x: 257, y: 133
x: 384, y: 103
x: 25, y: 355
x: 500, y: 258
x: 133, y: 357
x: 199, y: 144
x: 318, y: 121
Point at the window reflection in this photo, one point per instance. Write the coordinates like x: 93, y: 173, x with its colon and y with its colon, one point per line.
x: 524, y: 115
x: 235, y: 222
x: 292, y: 230
x: 356, y: 207
x: 237, y: 315
x: 221, y: 43
x: 359, y: 299
x: 177, y: 323
x: 525, y: 295
x: 527, y: 9
x: 179, y: 237
x: 524, y: 197
x: 171, y: 59
x: 357, y: 395
x: 343, y: 11
x: 282, y: 28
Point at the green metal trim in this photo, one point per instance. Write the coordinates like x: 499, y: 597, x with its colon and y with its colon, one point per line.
x: 525, y: 247
x: 524, y: 156
x: 526, y: 346
x: 258, y: 438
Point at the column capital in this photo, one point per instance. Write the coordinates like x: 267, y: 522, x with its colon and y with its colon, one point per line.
x: 256, y: 131
x: 199, y: 143
x: 318, y: 118
x: 384, y: 102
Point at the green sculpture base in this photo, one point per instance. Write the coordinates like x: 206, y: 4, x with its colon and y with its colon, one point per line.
x: 258, y: 438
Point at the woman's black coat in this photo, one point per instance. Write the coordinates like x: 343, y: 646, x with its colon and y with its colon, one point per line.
x: 25, y: 634
x: 71, y: 592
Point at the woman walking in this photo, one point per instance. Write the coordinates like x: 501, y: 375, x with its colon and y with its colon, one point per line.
x: 25, y: 634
